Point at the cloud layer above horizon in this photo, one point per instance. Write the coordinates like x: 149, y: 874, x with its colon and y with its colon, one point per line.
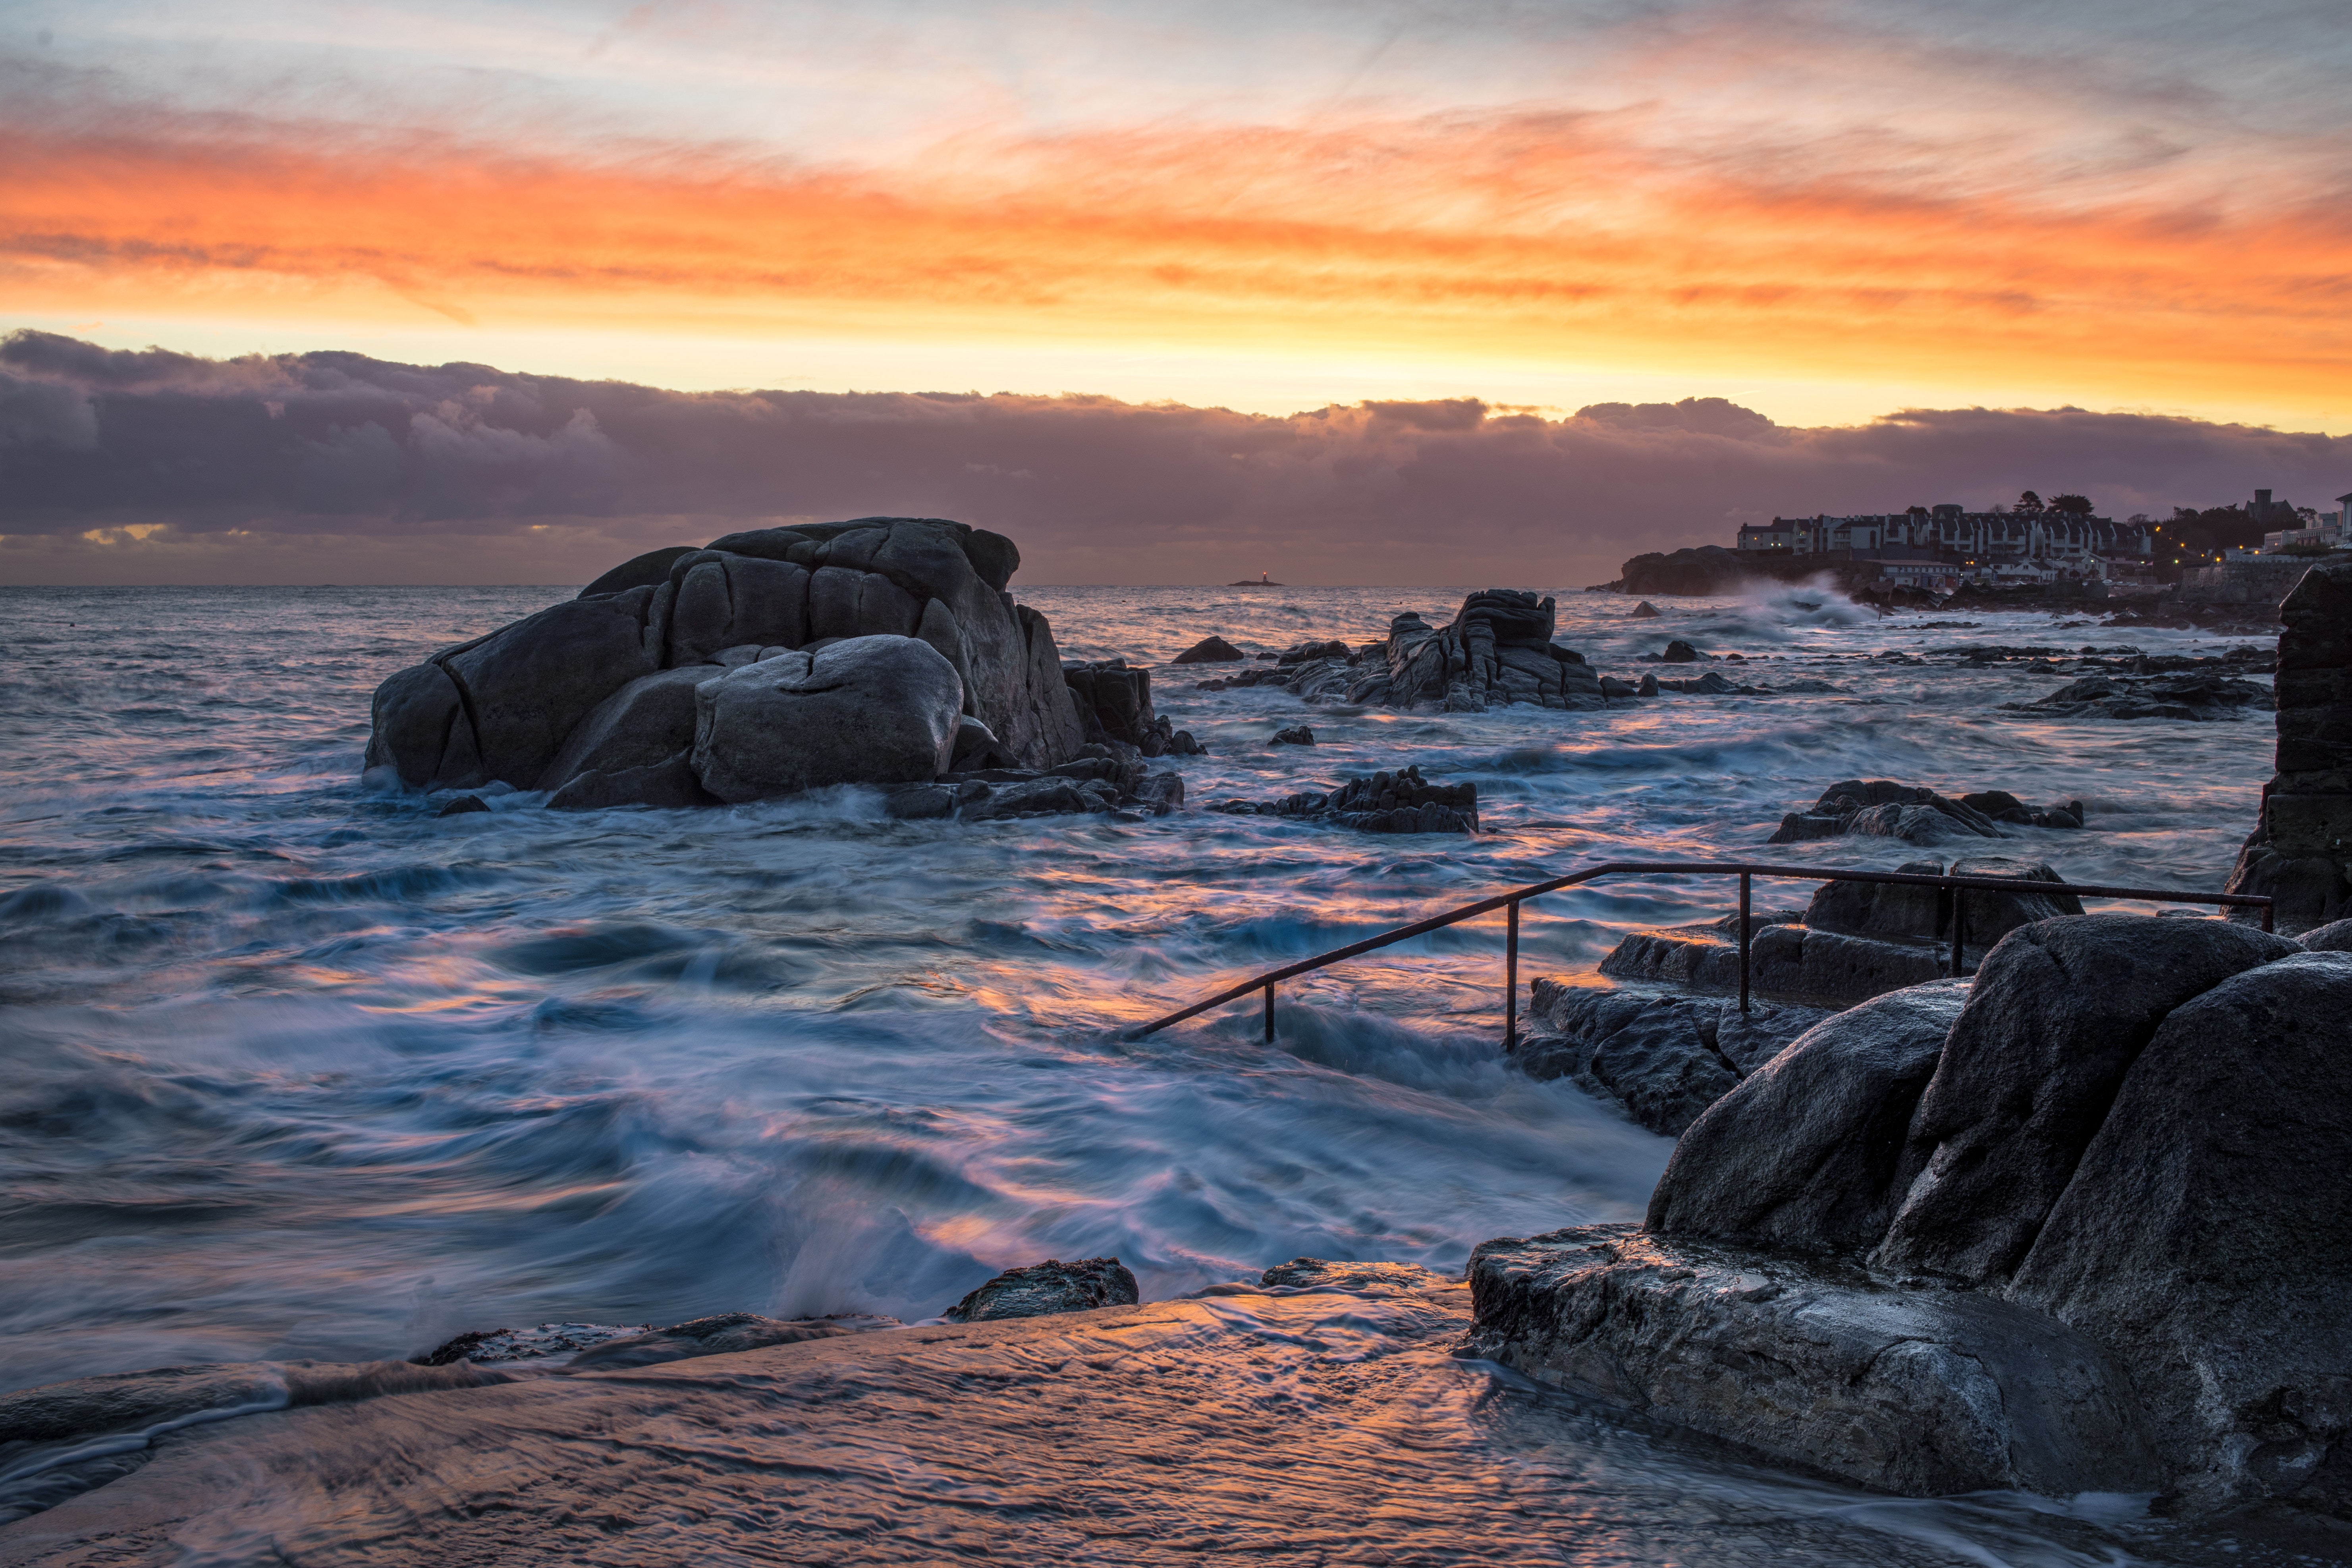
x: 153, y: 466
x: 2136, y: 204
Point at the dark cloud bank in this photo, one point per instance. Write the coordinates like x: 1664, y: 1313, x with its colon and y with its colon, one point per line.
x: 334, y: 467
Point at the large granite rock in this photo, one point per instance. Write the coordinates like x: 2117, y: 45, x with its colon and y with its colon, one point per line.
x: 1114, y: 704
x: 2205, y: 1236
x: 2110, y: 1250
x: 1926, y: 1392
x: 2300, y: 852
x: 1881, y: 808
x: 868, y: 709
x: 1802, y: 1154
x: 2060, y: 1012
x: 510, y: 706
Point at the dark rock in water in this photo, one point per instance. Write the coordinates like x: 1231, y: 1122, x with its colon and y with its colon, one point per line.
x: 539, y: 702
x: 546, y: 1341
x: 1318, y: 1274
x: 724, y: 1335
x: 1883, y: 809
x: 461, y: 805
x: 1210, y: 650
x: 1385, y: 803
x: 1802, y: 1154
x: 1664, y: 1059
x: 1114, y: 701
x: 2206, y: 696
x: 2061, y: 1011
x: 867, y: 710
x: 1646, y: 611
x: 2300, y: 852
x: 1679, y: 652
x: 1297, y: 735
x: 669, y: 784
x: 1306, y: 652
x: 1497, y: 649
x: 1894, y: 912
x: 1102, y: 777
x: 1926, y: 1392
x: 1711, y: 684
x: 647, y: 570
x: 1649, y: 687
x: 1046, y: 1288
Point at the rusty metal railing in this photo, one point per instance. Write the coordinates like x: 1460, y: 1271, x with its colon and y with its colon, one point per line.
x: 1746, y: 870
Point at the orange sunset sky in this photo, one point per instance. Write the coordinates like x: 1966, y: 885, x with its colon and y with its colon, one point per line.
x: 1824, y: 213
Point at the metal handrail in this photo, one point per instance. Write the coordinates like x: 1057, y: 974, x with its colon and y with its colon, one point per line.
x: 1745, y: 869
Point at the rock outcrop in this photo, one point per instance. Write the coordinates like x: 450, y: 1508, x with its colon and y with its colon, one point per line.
x: 604, y: 688
x: 1882, y: 808
x: 1210, y: 650
x: 1385, y: 803
x: 1497, y: 649
x: 1114, y: 703
x: 1046, y: 1288
x: 1103, y: 777
x: 1853, y: 940
x: 1660, y: 1059
x: 2089, y: 1230
x: 2300, y: 852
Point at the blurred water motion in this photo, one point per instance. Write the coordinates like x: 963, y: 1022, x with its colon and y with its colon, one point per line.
x: 298, y: 1071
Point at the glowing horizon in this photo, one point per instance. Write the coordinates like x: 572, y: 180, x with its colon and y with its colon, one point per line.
x: 1823, y: 212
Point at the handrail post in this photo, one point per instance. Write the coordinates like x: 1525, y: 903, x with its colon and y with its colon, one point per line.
x: 1960, y: 894
x: 1743, y: 941
x: 1269, y: 1012
x: 2268, y: 905
x: 1511, y: 977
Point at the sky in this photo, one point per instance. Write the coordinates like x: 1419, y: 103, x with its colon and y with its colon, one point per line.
x: 1245, y: 229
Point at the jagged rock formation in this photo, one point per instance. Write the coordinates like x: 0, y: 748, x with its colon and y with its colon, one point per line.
x: 2300, y: 852
x: 607, y: 687
x: 2093, y: 1232
x: 1384, y: 803
x: 1114, y: 704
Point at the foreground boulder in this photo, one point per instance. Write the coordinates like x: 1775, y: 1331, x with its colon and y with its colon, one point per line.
x: 2075, y: 1236
x: 1046, y: 1288
x: 569, y: 692
x: 2300, y: 852
x: 1385, y: 803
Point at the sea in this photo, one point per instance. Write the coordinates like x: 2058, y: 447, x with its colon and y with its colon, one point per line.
x: 296, y: 1068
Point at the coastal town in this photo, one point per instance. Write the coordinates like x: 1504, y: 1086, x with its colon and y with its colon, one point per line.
x: 1940, y: 549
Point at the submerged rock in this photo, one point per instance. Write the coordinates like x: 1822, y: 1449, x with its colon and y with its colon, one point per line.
x: 1297, y: 735
x: 2203, y: 695
x: 1384, y: 803
x: 463, y: 805
x: 723, y: 1334
x: 1046, y: 1288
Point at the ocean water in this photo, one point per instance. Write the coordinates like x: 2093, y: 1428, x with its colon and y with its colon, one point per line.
x: 298, y: 1071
